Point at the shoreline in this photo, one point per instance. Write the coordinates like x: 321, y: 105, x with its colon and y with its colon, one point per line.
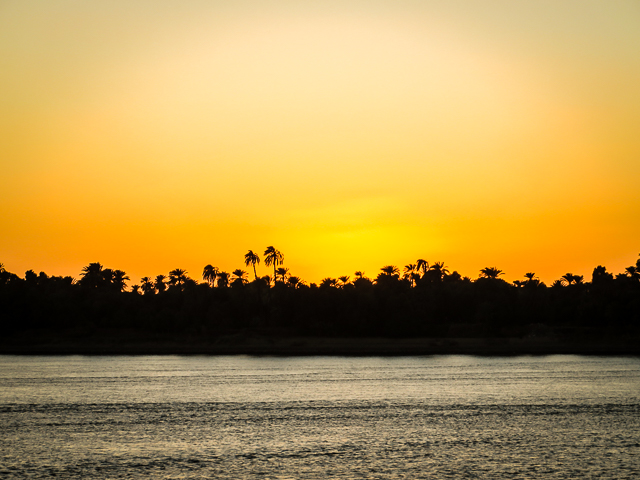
x: 324, y: 346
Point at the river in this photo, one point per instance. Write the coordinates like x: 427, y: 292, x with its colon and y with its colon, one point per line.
x: 319, y: 417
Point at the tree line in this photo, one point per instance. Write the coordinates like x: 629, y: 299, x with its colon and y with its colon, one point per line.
x: 421, y: 299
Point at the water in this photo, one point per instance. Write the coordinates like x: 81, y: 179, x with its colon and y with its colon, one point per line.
x: 320, y: 417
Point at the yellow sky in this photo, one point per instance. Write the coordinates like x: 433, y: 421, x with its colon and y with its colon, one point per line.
x: 154, y: 135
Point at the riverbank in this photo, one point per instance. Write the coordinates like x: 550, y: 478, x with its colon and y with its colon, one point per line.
x: 241, y: 344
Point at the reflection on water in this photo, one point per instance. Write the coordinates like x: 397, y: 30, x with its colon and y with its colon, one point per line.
x: 249, y: 417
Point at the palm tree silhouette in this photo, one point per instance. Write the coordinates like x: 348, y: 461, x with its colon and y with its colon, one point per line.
x: 390, y: 270
x: 632, y: 272
x: 344, y: 280
x: 422, y: 266
x: 177, y: 277
x: 251, y: 258
x: 294, y: 281
x: 107, y: 276
x: 410, y: 272
x: 119, y: 280
x: 329, y: 282
x: 223, y: 279
x: 601, y: 275
x: 92, y: 275
x: 240, y: 276
x: 159, y: 284
x: 273, y: 257
x: 282, y: 273
x: 209, y: 274
x: 531, y: 280
x: 147, y: 285
x: 440, y: 269
x: 359, y: 274
x: 491, y: 272
x: 568, y: 278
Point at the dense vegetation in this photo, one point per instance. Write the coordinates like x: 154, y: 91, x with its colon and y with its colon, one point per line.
x: 425, y: 300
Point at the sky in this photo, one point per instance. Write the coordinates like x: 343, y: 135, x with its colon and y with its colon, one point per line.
x: 154, y: 135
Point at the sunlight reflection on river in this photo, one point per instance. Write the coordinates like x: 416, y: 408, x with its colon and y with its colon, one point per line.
x: 320, y: 417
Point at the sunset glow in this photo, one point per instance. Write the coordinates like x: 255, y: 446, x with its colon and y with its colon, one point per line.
x: 351, y: 135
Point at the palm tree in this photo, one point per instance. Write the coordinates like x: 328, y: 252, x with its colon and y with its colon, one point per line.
x: 294, y: 281
x: 159, y: 284
x: 390, y: 270
x: 440, y: 269
x: 251, y: 258
x: 223, y: 279
x: 107, y: 277
x: 344, y: 280
x: 491, y: 272
x: 410, y: 272
x: 570, y: 279
x: 92, y: 269
x: 273, y: 257
x: 600, y: 275
x: 632, y: 272
x: 531, y: 279
x: 177, y: 277
x: 92, y: 275
x: 119, y: 280
x: 410, y: 268
x: 329, y: 282
x: 361, y: 280
x: 209, y: 274
x: 282, y: 273
x: 147, y: 285
x: 422, y: 266
x: 240, y: 276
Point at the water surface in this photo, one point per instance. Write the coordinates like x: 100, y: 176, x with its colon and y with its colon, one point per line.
x: 320, y: 417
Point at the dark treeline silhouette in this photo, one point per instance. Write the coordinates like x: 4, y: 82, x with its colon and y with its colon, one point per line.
x: 422, y: 300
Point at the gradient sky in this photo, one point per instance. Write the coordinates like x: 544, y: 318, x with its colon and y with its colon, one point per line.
x: 154, y: 135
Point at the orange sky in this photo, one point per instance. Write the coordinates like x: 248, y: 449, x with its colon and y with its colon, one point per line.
x: 160, y: 134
